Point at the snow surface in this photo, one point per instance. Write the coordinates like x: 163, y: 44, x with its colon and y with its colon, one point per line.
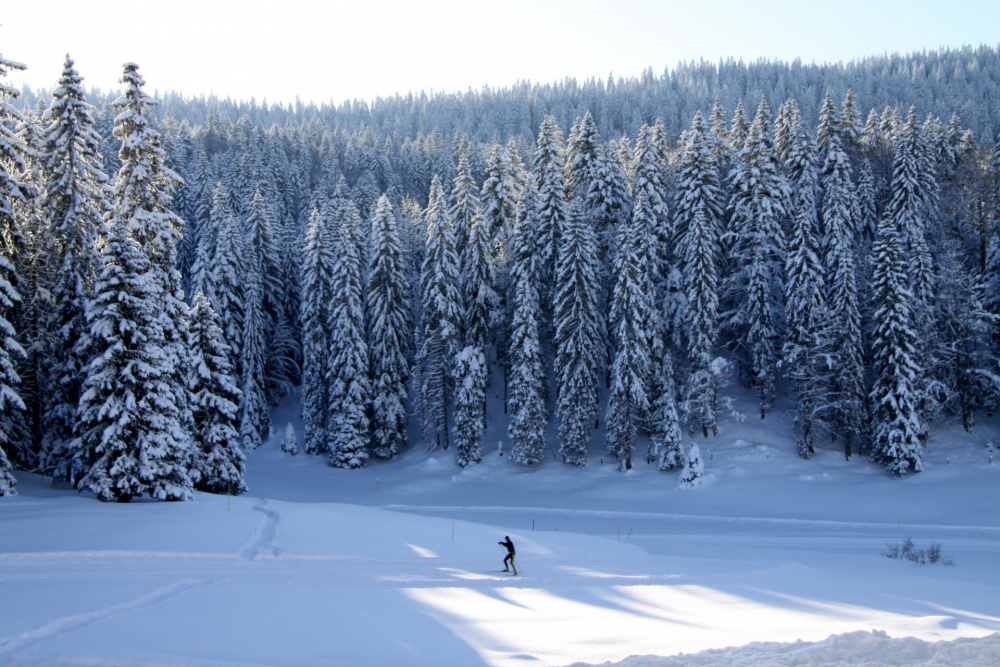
x: 771, y: 560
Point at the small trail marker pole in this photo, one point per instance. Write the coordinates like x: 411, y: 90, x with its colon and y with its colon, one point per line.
x: 532, y: 525
x: 376, y: 485
x: 629, y: 534
x: 452, y: 530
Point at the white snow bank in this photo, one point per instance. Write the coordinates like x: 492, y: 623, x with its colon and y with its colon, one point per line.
x: 851, y: 649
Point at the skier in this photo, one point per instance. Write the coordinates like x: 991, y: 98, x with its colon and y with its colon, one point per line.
x: 510, y: 554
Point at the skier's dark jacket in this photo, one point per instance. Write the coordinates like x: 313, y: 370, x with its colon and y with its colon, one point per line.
x: 508, y: 544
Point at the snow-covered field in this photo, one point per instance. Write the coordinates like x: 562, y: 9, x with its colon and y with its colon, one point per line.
x: 398, y: 564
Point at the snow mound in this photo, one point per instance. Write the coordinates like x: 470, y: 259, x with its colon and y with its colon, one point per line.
x: 851, y: 649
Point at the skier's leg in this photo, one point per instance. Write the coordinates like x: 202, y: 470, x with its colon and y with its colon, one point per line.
x: 512, y: 563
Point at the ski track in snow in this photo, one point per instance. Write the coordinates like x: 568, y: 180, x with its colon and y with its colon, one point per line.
x: 612, y: 514
x: 264, y: 535
x: 65, y: 624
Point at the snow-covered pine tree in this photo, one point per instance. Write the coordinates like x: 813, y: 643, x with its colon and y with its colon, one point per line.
x: 441, y: 297
x: 829, y: 126
x: 290, y: 443
x: 630, y: 323
x: 319, y: 257
x: 143, y: 194
x: 11, y: 161
x: 754, y: 291
x: 665, y: 429
x: 698, y: 215
x: 608, y: 204
x: 478, y: 280
x: 255, y: 417
x: 73, y: 203
x: 388, y: 341
x: 806, y: 345
x: 464, y: 206
x: 526, y: 400
x: 581, y: 152
x: 647, y: 244
x: 218, y: 462
x: 839, y: 220
x: 579, y: 336
x: 263, y: 256
x: 227, y: 270
x: 131, y: 439
x: 550, y: 211
x: 895, y: 395
x: 697, y: 188
x: 694, y: 469
x: 739, y: 130
x: 470, y: 401
x: 348, y: 427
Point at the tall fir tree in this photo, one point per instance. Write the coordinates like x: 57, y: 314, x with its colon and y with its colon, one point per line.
x: 478, y: 280
x: 807, y: 344
x: 579, y: 339
x: 11, y: 192
x: 74, y: 202
x: 317, y: 295
x: 470, y: 401
x: 131, y: 440
x: 218, y: 462
x: 754, y: 291
x: 895, y: 395
x: 550, y: 211
x: 526, y: 401
x: 348, y: 427
x: 441, y: 319
x: 387, y: 333
x: 143, y: 195
x: 255, y: 417
x: 839, y: 216
x: 628, y: 403
x: 582, y: 149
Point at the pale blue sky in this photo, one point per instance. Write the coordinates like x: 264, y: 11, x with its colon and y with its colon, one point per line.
x: 338, y: 50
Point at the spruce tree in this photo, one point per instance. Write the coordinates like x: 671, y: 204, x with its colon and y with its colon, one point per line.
x: 73, y: 203
x: 665, y: 429
x: 807, y: 342
x: 526, y: 401
x: 478, y: 280
x: 218, y: 461
x: 630, y: 317
x: 839, y: 219
x: 143, y: 194
x: 581, y: 152
x: 579, y: 339
x: 317, y: 295
x: 698, y: 215
x: 758, y: 206
x: 11, y: 191
x: 441, y: 318
x: 387, y: 333
x: 550, y: 211
x: 255, y: 418
x: 895, y: 395
x: 131, y: 441
x: 470, y: 401
x: 464, y: 206
x: 348, y: 426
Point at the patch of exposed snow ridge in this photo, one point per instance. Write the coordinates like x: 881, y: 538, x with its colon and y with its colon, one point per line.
x: 851, y: 649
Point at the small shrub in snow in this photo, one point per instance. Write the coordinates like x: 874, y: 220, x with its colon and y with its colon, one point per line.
x: 907, y: 550
x: 290, y: 445
x: 694, y: 469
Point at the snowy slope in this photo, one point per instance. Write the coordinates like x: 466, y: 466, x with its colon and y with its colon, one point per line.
x: 397, y: 564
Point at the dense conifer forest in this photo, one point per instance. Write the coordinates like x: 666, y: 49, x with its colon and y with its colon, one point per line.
x: 620, y: 255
